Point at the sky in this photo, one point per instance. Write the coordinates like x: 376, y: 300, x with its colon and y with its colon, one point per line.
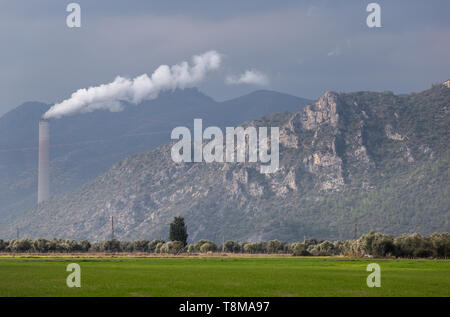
x: 298, y: 47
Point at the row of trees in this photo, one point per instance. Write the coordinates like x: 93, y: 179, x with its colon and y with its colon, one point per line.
x: 371, y: 244
x: 380, y: 245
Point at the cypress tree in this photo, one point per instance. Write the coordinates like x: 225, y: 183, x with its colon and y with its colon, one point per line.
x: 178, y: 230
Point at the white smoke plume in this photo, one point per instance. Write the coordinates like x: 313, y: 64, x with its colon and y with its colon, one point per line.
x: 108, y: 96
x: 252, y: 77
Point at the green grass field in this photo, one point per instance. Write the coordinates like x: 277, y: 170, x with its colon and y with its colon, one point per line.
x: 222, y: 276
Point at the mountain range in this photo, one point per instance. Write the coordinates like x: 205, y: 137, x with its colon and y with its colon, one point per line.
x: 86, y: 145
x: 373, y: 157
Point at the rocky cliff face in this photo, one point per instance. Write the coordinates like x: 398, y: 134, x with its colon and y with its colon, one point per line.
x: 376, y: 156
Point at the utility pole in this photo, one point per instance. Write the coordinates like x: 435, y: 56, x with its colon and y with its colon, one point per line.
x: 17, y: 232
x: 356, y: 229
x: 112, y: 227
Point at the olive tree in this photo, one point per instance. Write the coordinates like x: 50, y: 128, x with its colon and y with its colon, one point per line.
x: 112, y: 245
x: 440, y: 242
x: 274, y: 246
x: 140, y: 245
x: 172, y: 247
x: 232, y: 246
x: 199, y: 244
x: 412, y: 245
x: 151, y: 246
x: 299, y: 249
x: 21, y: 245
x: 377, y: 244
x: 322, y: 249
x: 208, y: 247
x: 41, y: 245
x: 250, y: 247
x: 3, y: 245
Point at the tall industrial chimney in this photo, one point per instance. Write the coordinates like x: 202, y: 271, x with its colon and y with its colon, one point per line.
x: 44, y: 161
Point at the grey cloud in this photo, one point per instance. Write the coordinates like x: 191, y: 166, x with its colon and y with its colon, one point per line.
x: 43, y: 60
